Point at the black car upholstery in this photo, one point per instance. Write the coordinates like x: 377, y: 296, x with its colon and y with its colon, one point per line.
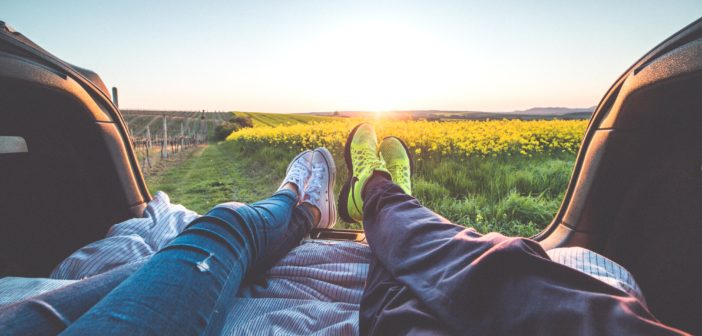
x: 78, y: 175
x: 636, y: 194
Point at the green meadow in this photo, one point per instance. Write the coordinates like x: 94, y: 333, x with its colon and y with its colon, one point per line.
x: 514, y: 195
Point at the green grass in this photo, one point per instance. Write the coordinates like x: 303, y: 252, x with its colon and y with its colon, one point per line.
x: 512, y: 195
x: 219, y: 173
x: 515, y: 196
x: 275, y: 119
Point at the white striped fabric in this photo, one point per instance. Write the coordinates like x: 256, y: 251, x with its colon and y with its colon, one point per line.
x: 598, y: 267
x: 314, y: 290
x: 332, y: 271
x: 13, y: 289
x: 291, y: 317
x: 128, y: 241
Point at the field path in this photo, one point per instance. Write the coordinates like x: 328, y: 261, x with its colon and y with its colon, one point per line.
x: 215, y: 174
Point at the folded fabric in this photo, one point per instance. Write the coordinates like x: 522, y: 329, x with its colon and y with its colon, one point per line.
x: 128, y: 241
x: 315, y: 289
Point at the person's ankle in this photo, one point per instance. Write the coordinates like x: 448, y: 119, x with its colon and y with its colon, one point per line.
x: 316, y: 214
x: 293, y: 187
x: 378, y: 177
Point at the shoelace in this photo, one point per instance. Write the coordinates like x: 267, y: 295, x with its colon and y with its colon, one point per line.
x: 314, y: 188
x: 400, y: 168
x: 366, y: 159
x: 298, y: 174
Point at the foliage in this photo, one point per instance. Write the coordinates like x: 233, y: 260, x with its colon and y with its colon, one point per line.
x: 433, y: 140
x: 506, y: 175
x: 234, y: 124
x: 220, y: 173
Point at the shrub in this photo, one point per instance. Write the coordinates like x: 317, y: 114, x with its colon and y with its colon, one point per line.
x: 232, y: 125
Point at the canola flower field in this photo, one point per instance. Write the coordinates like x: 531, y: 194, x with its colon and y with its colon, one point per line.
x: 500, y: 175
x: 430, y: 140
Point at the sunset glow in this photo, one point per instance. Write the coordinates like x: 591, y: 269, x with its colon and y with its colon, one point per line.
x: 306, y: 56
x: 376, y: 66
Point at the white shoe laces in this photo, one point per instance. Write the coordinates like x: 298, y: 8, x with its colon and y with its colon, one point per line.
x: 298, y: 174
x: 314, y: 188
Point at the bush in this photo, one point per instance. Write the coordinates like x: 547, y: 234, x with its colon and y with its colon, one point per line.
x: 232, y: 125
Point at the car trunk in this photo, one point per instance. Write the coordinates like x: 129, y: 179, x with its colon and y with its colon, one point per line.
x: 73, y: 173
x: 636, y: 191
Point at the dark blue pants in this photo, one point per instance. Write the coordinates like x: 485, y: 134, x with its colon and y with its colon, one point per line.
x: 432, y: 277
x: 184, y: 289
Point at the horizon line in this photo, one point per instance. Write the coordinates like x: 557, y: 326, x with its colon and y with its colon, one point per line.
x: 590, y: 108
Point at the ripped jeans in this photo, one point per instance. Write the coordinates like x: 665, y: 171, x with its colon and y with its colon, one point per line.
x: 187, y: 287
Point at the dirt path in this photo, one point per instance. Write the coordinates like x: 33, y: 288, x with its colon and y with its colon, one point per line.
x: 215, y: 174
x: 161, y: 166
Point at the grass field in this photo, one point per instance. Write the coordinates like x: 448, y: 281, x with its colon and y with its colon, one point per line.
x: 515, y: 190
x: 277, y: 119
x: 215, y: 174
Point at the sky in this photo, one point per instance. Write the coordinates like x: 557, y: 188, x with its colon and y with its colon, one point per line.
x: 306, y: 56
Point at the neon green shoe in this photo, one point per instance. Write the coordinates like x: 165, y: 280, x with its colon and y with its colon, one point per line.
x: 398, y: 161
x: 361, y: 155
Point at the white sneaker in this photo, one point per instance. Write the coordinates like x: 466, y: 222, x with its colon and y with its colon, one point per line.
x: 299, y: 172
x: 320, y: 188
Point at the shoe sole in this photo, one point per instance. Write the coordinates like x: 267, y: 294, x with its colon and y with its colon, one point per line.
x: 346, y: 188
x: 409, y: 154
x: 329, y: 159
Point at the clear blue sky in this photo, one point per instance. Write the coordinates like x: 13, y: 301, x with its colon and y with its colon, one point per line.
x: 301, y: 56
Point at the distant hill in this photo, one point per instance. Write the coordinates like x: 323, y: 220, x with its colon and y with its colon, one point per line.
x: 532, y: 113
x: 551, y: 111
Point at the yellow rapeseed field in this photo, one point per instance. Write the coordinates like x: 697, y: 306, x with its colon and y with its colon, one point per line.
x: 432, y: 139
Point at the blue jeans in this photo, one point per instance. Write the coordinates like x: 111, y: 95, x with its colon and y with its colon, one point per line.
x: 186, y: 288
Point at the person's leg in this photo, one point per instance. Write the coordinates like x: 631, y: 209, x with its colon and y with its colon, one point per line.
x: 473, y: 283
x: 487, y: 284
x: 490, y: 284
x: 301, y: 222
x: 186, y: 287
x: 390, y: 308
x: 51, y: 312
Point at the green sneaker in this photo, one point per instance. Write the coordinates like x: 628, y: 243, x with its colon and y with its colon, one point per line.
x: 361, y: 155
x: 398, y: 161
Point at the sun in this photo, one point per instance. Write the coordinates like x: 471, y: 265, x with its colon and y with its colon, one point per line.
x: 373, y: 66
